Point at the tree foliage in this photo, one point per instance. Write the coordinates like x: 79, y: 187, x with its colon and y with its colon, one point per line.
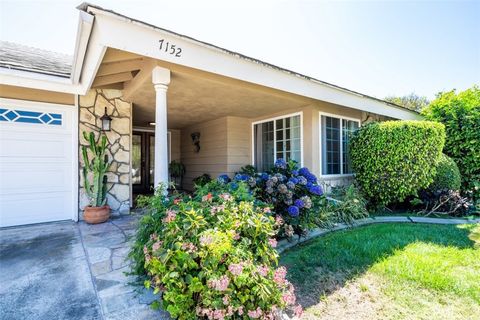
x: 460, y: 113
x: 411, y: 101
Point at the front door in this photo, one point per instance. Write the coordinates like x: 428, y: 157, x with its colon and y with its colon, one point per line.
x: 143, y: 159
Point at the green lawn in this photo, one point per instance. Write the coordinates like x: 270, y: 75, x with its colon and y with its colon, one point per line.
x: 389, y: 271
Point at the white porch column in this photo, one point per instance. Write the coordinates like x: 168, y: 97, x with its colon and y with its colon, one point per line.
x: 161, y: 80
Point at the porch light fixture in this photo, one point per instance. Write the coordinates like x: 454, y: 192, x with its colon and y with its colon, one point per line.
x: 196, y: 141
x: 106, y: 121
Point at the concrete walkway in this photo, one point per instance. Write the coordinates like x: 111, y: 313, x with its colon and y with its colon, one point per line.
x: 107, y: 246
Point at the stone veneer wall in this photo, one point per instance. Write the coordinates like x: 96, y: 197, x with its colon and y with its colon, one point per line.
x: 91, y: 108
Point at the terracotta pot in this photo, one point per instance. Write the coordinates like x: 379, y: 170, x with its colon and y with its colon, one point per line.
x: 94, y: 215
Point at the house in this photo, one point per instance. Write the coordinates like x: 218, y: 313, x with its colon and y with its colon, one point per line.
x: 164, y: 92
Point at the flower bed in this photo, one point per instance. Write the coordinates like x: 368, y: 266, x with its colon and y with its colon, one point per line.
x: 213, y: 253
x: 214, y: 258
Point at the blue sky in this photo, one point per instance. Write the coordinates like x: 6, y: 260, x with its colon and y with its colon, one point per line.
x: 378, y: 47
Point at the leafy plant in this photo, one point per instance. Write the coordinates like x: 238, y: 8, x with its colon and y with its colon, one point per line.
x: 202, y: 180
x: 212, y: 256
x: 177, y: 171
x: 447, y: 176
x: 248, y: 169
x: 460, y: 113
x: 97, y: 166
x: 349, y: 205
x: 176, y: 168
x: 394, y: 159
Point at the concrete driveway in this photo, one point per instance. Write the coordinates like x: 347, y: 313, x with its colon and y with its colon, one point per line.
x: 68, y: 270
x: 44, y: 274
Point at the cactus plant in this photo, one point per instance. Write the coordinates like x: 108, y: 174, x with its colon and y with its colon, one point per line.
x: 98, y: 166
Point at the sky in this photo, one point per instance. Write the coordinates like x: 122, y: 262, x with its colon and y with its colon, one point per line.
x: 379, y: 48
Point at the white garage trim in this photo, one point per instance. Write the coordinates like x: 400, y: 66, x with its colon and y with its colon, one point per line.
x: 73, y: 110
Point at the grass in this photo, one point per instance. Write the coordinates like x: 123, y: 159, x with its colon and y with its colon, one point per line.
x: 389, y: 271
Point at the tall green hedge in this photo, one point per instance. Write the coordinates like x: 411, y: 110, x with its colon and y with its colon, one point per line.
x: 460, y: 113
x: 395, y: 159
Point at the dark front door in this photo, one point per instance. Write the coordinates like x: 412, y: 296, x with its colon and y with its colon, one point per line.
x: 143, y: 159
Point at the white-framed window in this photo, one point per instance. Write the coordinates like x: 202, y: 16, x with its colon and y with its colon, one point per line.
x: 275, y: 138
x: 335, y: 142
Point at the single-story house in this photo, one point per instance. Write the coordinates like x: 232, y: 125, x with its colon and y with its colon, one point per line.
x: 170, y: 97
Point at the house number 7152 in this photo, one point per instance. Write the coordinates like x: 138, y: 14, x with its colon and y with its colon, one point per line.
x: 170, y: 48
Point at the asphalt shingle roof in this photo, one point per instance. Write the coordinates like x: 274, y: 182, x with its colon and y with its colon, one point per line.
x: 20, y: 57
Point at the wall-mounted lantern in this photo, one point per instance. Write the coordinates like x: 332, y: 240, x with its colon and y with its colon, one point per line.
x: 196, y: 141
x: 106, y: 121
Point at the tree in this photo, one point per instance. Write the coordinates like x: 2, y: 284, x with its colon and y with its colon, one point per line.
x: 411, y: 101
x: 460, y: 113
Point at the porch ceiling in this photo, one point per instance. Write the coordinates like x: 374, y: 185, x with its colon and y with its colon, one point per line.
x: 193, y: 96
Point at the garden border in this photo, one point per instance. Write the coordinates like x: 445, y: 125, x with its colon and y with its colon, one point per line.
x: 317, y: 232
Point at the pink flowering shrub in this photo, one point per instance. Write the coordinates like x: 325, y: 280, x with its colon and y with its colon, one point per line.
x: 213, y: 257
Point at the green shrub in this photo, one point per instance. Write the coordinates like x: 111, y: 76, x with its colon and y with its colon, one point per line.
x: 213, y: 256
x: 447, y: 176
x: 395, y: 159
x: 460, y: 113
x: 202, y: 180
x: 350, y: 204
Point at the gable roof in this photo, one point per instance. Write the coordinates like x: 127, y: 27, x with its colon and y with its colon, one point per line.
x: 21, y: 57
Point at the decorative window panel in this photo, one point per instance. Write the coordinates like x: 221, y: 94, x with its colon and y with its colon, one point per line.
x: 35, y: 117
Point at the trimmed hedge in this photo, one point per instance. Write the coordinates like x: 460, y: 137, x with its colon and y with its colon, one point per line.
x: 394, y: 159
x: 447, y: 176
x: 460, y: 113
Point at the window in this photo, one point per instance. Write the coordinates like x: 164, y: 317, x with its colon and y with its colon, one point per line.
x: 336, y: 134
x: 277, y: 138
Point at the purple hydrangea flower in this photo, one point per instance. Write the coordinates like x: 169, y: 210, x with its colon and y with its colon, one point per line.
x: 242, y: 177
x: 290, y: 185
x: 294, y: 211
x: 264, y: 176
x: 316, y: 189
x: 281, y: 164
x: 293, y: 180
x: 311, y: 178
x: 282, y: 188
x: 295, y: 173
x: 299, y: 203
x: 302, y: 180
x: 303, y: 172
x: 223, y: 178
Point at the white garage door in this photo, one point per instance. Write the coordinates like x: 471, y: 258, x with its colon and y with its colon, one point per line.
x: 37, y: 162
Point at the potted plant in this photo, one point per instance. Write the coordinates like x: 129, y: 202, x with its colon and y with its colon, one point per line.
x: 98, y: 211
x: 177, y: 171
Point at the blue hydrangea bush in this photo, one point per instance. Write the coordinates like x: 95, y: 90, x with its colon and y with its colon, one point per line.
x: 293, y: 193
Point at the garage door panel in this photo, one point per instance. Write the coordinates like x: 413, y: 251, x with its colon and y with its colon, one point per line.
x: 36, y: 148
x: 37, y: 177
x: 38, y: 174
x: 42, y: 208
